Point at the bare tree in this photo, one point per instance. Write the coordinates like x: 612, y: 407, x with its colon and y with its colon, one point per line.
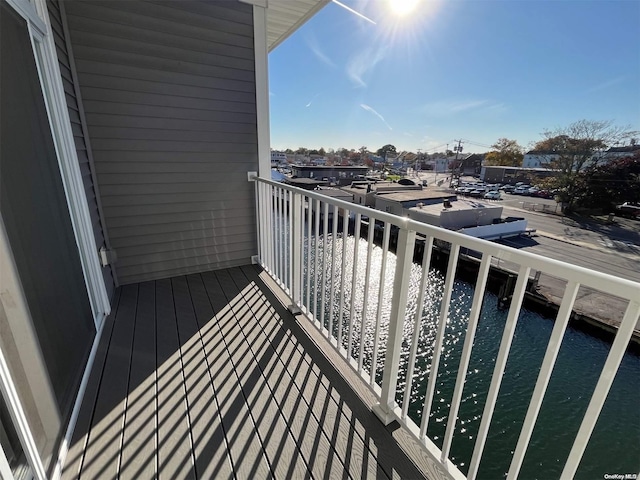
x: 573, y: 148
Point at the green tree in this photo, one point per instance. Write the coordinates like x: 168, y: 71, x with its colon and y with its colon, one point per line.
x: 573, y: 148
x: 386, y: 150
x: 505, y: 152
x: 608, y: 184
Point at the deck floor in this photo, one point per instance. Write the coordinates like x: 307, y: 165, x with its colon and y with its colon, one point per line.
x: 209, y: 376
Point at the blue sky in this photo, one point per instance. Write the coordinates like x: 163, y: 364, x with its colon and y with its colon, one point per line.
x: 477, y: 70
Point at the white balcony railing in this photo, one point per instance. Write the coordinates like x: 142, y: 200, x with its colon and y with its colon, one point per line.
x: 370, y: 305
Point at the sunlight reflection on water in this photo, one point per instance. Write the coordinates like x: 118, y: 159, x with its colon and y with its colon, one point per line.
x: 568, y: 391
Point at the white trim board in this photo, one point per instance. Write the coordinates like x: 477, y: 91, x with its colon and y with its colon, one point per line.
x: 66, y: 441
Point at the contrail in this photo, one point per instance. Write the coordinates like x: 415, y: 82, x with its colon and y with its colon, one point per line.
x: 372, y: 110
x: 310, y: 101
x: 353, y: 11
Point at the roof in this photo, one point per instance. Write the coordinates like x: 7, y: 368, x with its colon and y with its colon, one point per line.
x: 337, y: 168
x: 542, y: 152
x: 285, y: 16
x: 523, y: 169
x: 415, y: 195
x: 305, y: 181
x: 458, y: 205
x: 628, y: 148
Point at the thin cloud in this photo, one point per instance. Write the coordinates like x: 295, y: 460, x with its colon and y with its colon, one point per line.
x: 313, y: 45
x: 362, y: 63
x: 372, y: 110
x: 605, y: 85
x: 311, y: 101
x: 453, y: 107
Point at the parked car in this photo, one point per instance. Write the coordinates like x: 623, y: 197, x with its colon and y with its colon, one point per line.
x: 521, y: 190
x: 543, y: 194
x: 508, y: 188
x: 493, y: 195
x: 629, y: 209
x: 479, y: 193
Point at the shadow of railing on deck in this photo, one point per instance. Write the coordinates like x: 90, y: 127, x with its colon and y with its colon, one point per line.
x: 209, y: 373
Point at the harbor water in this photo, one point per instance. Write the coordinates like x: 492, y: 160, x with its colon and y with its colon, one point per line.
x: 615, y: 444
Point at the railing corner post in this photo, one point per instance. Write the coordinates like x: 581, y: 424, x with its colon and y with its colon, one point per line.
x: 404, y: 258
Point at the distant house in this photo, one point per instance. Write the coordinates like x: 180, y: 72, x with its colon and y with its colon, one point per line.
x: 621, y: 152
x: 471, y: 164
x: 512, y: 175
x: 438, y: 165
x: 317, y: 159
x: 539, y: 159
x: 544, y: 159
x: 278, y: 157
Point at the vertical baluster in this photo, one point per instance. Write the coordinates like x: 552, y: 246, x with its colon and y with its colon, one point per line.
x: 498, y: 371
x: 354, y: 282
x: 383, y: 272
x: 278, y: 236
x: 267, y: 197
x: 549, y: 360
x: 332, y: 292
x: 309, y: 203
x: 343, y: 280
x: 295, y: 237
x: 402, y: 278
x: 325, y: 234
x: 289, y: 222
x: 417, y: 323
x: 608, y: 374
x: 259, y: 224
x: 367, y: 274
x: 476, y: 307
x: 316, y: 286
x: 437, y: 344
x: 285, y: 242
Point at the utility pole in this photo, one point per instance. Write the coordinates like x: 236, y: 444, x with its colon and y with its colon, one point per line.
x: 456, y: 149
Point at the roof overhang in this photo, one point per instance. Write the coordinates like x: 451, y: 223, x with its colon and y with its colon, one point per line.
x: 284, y: 17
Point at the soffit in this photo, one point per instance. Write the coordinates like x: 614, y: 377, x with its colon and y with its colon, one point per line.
x: 285, y: 16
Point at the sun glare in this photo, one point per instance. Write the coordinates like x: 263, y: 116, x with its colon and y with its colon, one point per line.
x: 403, y: 7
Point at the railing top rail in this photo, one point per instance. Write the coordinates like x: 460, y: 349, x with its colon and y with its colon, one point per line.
x: 619, y: 287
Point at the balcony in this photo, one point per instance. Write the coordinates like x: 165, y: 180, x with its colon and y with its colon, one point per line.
x: 330, y: 359
x: 209, y: 376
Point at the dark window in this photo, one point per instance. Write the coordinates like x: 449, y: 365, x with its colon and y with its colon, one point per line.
x: 35, y: 214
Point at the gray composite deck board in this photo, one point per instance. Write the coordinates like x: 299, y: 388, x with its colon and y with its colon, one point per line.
x: 209, y: 376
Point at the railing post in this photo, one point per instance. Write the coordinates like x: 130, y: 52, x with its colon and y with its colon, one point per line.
x: 295, y: 247
x: 404, y: 257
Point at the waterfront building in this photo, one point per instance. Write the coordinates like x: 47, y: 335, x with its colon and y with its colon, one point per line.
x: 440, y: 208
x: 336, y: 174
x: 156, y: 321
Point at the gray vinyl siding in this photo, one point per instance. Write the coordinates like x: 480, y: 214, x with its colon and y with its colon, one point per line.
x: 168, y: 90
x: 79, y: 134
